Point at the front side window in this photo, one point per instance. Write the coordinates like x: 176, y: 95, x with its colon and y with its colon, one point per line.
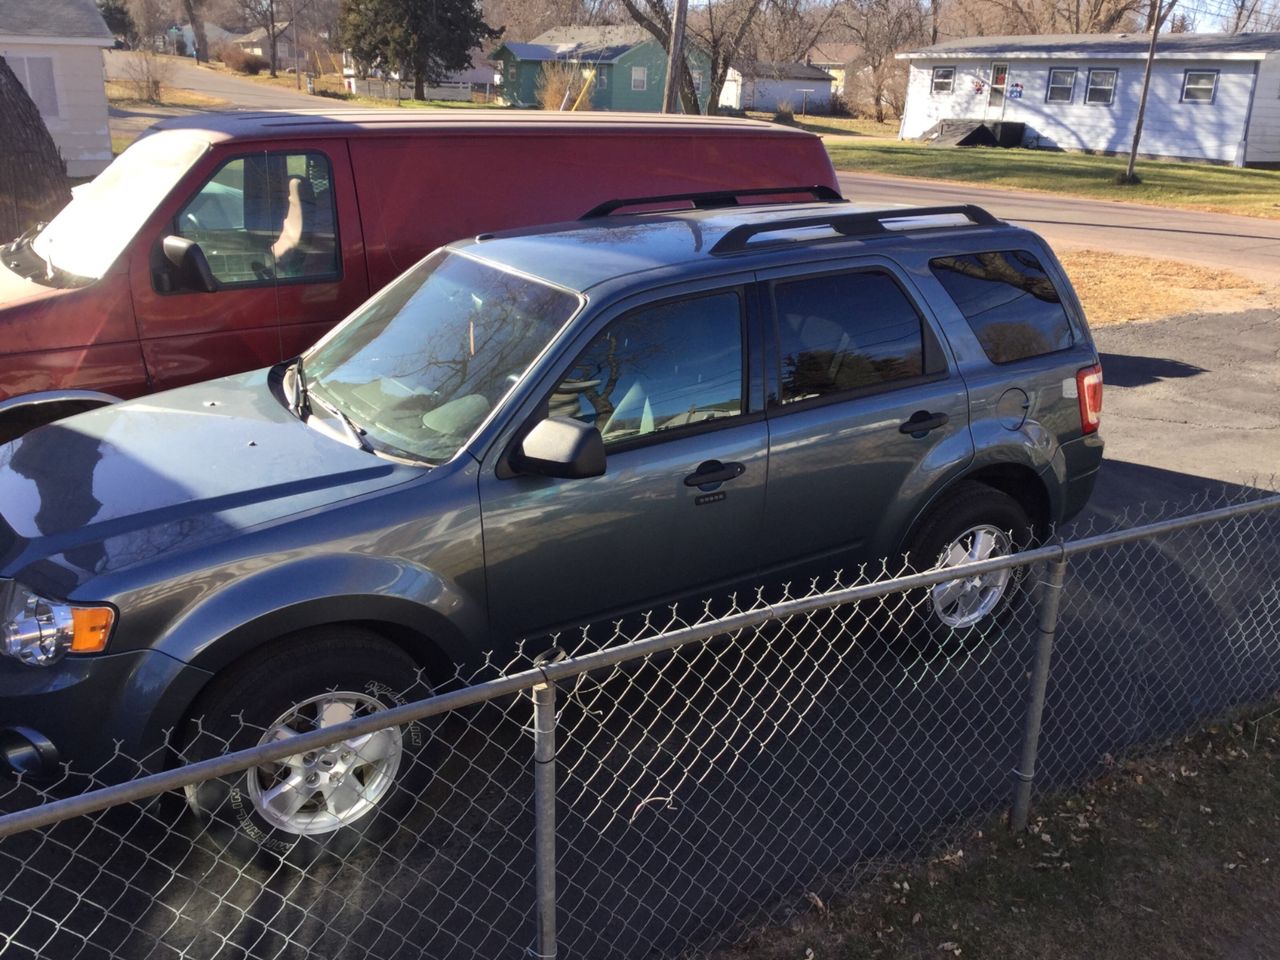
x: 944, y: 79
x: 266, y: 217
x: 639, y: 78
x: 1011, y: 304
x: 1062, y: 86
x: 845, y: 332
x: 1199, y: 86
x: 1101, y: 88
x: 420, y: 366
x: 658, y: 369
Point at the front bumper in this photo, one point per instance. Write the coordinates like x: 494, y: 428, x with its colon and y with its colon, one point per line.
x: 106, y: 716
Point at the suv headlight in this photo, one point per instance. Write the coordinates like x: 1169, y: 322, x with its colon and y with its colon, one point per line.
x: 40, y: 632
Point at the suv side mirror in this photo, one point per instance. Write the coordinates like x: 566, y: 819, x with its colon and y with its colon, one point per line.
x: 185, y: 267
x: 563, y: 448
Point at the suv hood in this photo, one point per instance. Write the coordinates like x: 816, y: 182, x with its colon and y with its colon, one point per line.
x: 128, y: 483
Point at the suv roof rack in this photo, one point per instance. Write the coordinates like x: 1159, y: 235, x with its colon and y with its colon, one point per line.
x: 867, y: 223
x: 710, y: 200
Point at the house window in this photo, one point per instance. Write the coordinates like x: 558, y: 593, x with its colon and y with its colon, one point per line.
x: 944, y: 79
x: 36, y: 76
x: 639, y: 78
x: 602, y: 79
x: 511, y: 72
x: 1062, y: 86
x: 999, y: 81
x: 1199, y: 86
x: 697, y: 80
x: 1101, y: 88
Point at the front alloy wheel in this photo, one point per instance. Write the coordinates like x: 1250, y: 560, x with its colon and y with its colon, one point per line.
x: 320, y: 791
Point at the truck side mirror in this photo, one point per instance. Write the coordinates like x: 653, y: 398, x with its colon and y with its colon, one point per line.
x: 185, y: 267
x: 563, y: 448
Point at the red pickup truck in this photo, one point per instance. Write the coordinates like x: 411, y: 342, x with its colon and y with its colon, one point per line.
x: 224, y: 242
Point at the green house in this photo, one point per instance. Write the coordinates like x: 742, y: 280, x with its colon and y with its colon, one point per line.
x: 626, y: 65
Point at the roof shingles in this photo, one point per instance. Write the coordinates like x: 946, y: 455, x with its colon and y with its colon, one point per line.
x: 78, y: 19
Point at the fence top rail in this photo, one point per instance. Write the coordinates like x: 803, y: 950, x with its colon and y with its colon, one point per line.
x: 141, y: 788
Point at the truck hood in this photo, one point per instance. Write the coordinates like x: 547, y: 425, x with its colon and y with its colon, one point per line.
x: 15, y: 289
x: 172, y: 472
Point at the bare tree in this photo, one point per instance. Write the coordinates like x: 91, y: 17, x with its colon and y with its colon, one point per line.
x: 526, y: 19
x: 720, y: 28
x: 33, y: 179
x: 786, y: 30
x: 882, y: 28
x: 274, y: 17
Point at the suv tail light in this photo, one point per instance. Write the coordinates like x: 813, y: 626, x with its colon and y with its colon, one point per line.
x: 1089, y: 391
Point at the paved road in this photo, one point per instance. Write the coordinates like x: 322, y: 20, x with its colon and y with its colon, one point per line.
x: 1246, y: 244
x: 241, y: 94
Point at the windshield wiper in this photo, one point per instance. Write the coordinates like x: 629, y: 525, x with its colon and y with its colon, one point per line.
x: 300, y: 405
x: 352, y: 429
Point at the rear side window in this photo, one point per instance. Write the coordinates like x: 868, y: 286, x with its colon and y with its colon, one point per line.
x: 845, y: 332
x: 1010, y: 303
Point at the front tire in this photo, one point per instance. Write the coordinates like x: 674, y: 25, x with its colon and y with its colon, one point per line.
x: 348, y: 792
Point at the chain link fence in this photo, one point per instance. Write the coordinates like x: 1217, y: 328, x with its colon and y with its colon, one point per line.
x: 660, y: 793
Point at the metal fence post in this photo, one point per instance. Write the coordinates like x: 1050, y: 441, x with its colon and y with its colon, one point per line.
x: 1047, y: 624
x: 544, y: 813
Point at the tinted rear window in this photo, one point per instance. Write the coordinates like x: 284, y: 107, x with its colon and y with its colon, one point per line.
x: 1009, y: 301
x: 845, y: 332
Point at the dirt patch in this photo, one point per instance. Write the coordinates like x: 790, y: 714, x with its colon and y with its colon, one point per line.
x: 123, y: 93
x: 1173, y: 855
x: 1120, y: 289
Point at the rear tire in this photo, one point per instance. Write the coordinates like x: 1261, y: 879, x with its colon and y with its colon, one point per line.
x: 974, y: 522
x: 334, y: 798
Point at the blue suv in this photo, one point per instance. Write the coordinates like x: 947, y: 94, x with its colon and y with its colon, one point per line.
x: 525, y: 432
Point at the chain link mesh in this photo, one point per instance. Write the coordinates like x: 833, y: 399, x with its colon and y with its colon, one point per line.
x: 701, y: 792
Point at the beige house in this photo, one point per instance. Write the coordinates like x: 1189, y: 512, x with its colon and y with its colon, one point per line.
x: 55, y: 48
x: 834, y: 58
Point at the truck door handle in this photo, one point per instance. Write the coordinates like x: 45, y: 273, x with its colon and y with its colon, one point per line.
x: 922, y: 421
x: 713, y: 473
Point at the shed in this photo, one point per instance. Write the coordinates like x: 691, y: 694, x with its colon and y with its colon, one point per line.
x: 1214, y: 97
x: 627, y: 65
x: 765, y: 86
x: 55, y: 48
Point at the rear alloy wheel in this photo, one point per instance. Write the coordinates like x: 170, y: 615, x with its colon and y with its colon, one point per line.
x: 963, y: 603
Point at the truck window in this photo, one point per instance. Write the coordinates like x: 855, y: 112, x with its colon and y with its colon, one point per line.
x: 266, y: 217
x: 1010, y: 302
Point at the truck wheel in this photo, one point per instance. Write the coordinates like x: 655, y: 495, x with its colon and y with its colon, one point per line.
x: 975, y: 522
x: 347, y: 792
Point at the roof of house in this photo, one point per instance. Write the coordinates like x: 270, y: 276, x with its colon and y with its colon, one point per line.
x: 73, y: 19
x: 259, y: 34
x: 833, y: 54
x: 789, y: 71
x: 1119, y: 46
x: 598, y: 44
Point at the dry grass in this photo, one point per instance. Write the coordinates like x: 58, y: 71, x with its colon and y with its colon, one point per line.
x: 1119, y: 289
x: 1174, y: 855
x: 123, y: 93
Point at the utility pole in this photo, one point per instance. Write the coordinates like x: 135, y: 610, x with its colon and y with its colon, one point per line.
x: 1158, y: 17
x: 675, y: 59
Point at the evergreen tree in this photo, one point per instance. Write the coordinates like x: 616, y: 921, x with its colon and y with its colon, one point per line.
x: 428, y: 39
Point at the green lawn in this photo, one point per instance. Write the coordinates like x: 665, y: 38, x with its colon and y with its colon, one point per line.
x: 1194, y: 185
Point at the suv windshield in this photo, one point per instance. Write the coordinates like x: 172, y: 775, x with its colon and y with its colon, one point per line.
x: 420, y: 366
x: 104, y: 214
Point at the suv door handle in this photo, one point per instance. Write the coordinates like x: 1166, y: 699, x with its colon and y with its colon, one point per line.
x: 922, y: 421
x: 713, y: 472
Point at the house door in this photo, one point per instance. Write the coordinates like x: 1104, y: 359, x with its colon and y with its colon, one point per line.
x: 999, y: 89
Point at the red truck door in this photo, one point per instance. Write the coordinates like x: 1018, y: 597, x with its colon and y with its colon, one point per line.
x: 281, y: 231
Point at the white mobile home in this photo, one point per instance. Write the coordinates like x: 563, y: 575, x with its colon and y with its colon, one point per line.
x: 55, y: 48
x: 1213, y: 97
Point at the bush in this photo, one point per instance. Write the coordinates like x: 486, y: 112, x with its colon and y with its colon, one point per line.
x: 786, y: 112
x: 241, y: 61
x: 561, y: 85
x: 335, y: 94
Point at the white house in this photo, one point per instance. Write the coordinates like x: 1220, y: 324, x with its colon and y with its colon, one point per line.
x: 55, y: 47
x: 766, y: 85
x: 1213, y: 97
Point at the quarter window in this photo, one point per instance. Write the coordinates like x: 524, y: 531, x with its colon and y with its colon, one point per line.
x: 845, y: 332
x: 639, y: 78
x: 1062, y: 86
x: 1101, y: 88
x: 266, y: 217
x: 944, y: 79
x: 1199, y: 86
x: 1011, y: 304
x: 659, y: 368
